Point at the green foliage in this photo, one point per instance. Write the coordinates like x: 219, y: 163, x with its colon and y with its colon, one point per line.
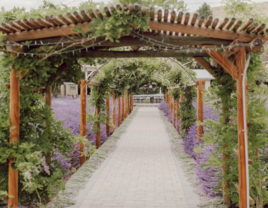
x: 176, y: 93
x: 204, y: 10
x: 223, y: 133
x: 120, y: 23
x: 187, y: 112
x: 133, y: 74
x: 176, y: 5
x: 40, y: 133
x: 243, y: 10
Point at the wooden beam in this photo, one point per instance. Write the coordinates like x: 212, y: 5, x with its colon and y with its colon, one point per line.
x: 131, y: 102
x: 119, y: 111
x: 94, y: 83
x: 177, y: 113
x: 98, y: 133
x: 200, y: 108
x: 151, y: 54
x: 65, y: 30
x: 202, y: 31
x: 251, y: 201
x: 83, y: 118
x: 181, y: 101
x: 14, y: 137
x: 48, y: 96
x: 130, y: 41
x: 224, y: 62
x: 107, y: 114
x: 123, y: 107
x: 14, y: 114
x: 126, y: 104
x: 241, y: 61
x: 45, y: 32
x: 205, y: 65
x: 173, y: 111
x: 114, y: 110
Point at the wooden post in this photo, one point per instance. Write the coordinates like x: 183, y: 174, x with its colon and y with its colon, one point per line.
x: 48, y: 101
x: 126, y: 104
x: 240, y: 62
x: 48, y: 96
x: 123, y: 108
x: 132, y: 104
x: 119, y: 111
x: 173, y: 111
x: 13, y: 175
x: 108, y: 114
x: 200, y: 107
x: 83, y: 116
x: 98, y: 133
x: 177, y: 113
x: 181, y: 101
x: 114, y: 110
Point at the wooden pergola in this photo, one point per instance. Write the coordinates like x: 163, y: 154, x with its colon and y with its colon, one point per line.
x: 192, y: 33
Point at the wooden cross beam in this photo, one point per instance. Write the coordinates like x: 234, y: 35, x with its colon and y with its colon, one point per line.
x: 223, y: 61
x: 141, y: 54
x: 130, y: 41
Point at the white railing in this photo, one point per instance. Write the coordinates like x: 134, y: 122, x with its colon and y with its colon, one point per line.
x: 152, y: 98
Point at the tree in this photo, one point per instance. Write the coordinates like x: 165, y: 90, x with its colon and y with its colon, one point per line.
x: 244, y: 9
x: 205, y: 10
x: 176, y: 5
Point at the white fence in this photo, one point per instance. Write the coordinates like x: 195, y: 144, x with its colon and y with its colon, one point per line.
x: 154, y: 98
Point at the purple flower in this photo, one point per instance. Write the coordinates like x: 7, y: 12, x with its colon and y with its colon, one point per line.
x: 45, y: 166
x: 209, y: 177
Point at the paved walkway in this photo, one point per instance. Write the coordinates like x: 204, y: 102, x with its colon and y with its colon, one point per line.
x: 141, y: 173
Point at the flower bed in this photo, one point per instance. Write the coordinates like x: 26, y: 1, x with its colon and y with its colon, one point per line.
x: 68, y: 111
x: 208, y: 176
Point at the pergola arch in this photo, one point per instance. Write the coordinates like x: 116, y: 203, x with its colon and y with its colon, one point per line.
x: 176, y: 36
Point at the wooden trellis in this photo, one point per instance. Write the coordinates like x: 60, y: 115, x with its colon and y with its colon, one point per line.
x: 173, y: 28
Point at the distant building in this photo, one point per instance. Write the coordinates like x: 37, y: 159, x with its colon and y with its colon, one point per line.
x: 69, y: 89
x: 202, y: 74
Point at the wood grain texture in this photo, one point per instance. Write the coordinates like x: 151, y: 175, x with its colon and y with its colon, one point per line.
x: 129, y: 54
x: 114, y: 110
x: 119, y: 111
x: 98, y: 133
x: 65, y: 30
x: 241, y: 61
x: 173, y: 111
x: 14, y: 136
x: 224, y: 62
x: 207, y: 32
x: 107, y: 114
x: 83, y: 116
x: 123, y: 107
x: 181, y: 101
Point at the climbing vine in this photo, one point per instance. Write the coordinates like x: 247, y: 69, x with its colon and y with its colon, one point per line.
x: 40, y: 133
x: 222, y: 134
x: 187, y: 112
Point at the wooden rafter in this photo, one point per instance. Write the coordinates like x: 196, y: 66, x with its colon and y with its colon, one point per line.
x: 207, y: 32
x: 223, y: 61
x: 65, y: 30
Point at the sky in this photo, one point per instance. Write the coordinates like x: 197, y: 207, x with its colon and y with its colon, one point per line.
x: 28, y: 4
